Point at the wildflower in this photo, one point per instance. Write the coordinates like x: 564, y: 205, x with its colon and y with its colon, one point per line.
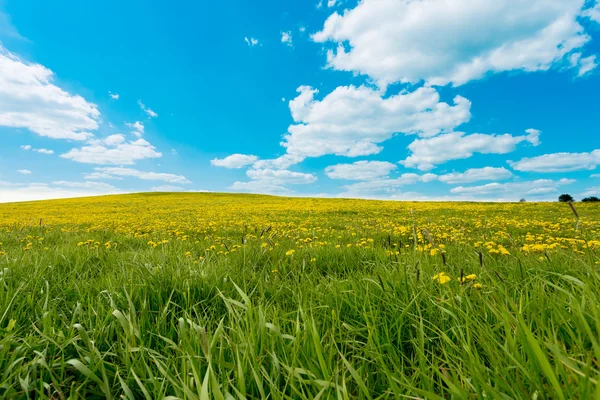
x: 312, y: 260
x: 290, y: 253
x: 477, y: 286
x: 441, y: 278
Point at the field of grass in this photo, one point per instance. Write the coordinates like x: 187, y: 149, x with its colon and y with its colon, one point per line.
x: 240, y: 296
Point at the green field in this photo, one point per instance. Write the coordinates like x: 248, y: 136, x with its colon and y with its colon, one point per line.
x: 238, y: 297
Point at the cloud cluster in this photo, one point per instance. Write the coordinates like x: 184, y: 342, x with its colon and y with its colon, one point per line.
x: 352, y: 121
x: 113, y: 150
x: 29, y: 99
x: 427, y: 153
x: 559, y: 162
x: 453, y: 41
x: 121, y: 172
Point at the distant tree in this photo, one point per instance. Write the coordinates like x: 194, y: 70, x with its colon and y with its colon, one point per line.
x: 565, y: 198
x: 522, y: 201
x: 592, y: 199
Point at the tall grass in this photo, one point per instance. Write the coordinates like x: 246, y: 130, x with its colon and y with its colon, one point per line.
x: 137, y: 322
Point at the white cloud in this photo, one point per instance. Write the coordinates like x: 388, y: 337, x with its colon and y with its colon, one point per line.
x: 286, y: 38
x: 515, y: 189
x: 114, y: 96
x: 452, y: 41
x: 29, y: 99
x: 251, y: 41
x: 121, y: 154
x: 24, y: 171
x: 234, y: 161
x: 585, y: 64
x: 593, y: 13
x: 351, y: 121
x: 283, y: 162
x: 167, y: 188
x: 147, y: 110
x: 331, y: 3
x: 591, y: 191
x: 272, y: 181
x: 385, y: 186
x: 559, y: 162
x: 137, y: 126
x: 10, y: 192
x: 427, y: 153
x: 85, y: 185
x: 114, y: 140
x: 120, y: 172
x: 44, y: 151
x: 259, y: 187
x: 100, y: 175
x: 360, y: 170
x: 476, y: 175
x: 280, y: 176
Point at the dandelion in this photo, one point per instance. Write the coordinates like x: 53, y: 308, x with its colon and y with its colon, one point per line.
x: 441, y: 278
x: 477, y: 286
x: 290, y: 253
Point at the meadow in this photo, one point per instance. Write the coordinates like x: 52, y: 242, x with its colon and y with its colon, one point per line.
x: 220, y: 296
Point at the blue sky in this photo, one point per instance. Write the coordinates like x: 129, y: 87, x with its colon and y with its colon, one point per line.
x: 389, y: 99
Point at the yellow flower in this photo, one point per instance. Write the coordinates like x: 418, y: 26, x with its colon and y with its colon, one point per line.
x: 313, y: 260
x: 290, y: 252
x: 477, y: 286
x: 441, y: 278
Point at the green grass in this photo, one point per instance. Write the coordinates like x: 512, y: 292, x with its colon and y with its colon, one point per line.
x: 137, y: 322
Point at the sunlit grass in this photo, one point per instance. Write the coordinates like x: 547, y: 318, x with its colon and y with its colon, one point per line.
x: 225, y: 296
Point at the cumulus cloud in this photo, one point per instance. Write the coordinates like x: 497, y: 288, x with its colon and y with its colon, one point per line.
x: 360, y: 170
x: 351, y: 121
x: 515, y: 189
x: 29, y: 99
x: 476, y: 175
x: 427, y: 153
x: 272, y: 181
x: 384, y: 186
x: 234, y: 161
x: 147, y: 110
x: 115, y: 153
x: 121, y: 172
x: 280, y: 176
x: 559, y: 162
x: 453, y: 41
x: 24, y: 171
